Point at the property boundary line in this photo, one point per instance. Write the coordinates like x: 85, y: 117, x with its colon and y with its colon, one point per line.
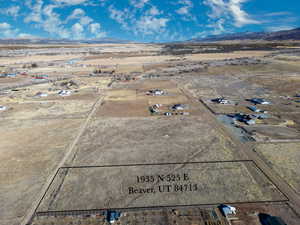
x: 90, y: 211
x: 157, y: 164
x: 86, y: 211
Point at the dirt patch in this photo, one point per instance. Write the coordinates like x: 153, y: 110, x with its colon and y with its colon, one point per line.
x: 121, y: 95
x: 125, y: 108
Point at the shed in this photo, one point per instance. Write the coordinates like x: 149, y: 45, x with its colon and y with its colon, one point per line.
x: 250, y: 122
x: 178, y: 107
x: 253, y: 108
x: 260, y: 101
x: 112, y: 216
x: 41, y: 94
x: 11, y: 75
x: 223, y: 101
x: 227, y: 210
x: 64, y: 93
x: 156, y: 92
x: 266, y: 219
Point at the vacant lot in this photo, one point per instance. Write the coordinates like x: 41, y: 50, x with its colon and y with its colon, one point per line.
x: 47, y: 110
x: 279, y: 83
x: 110, y: 141
x: 284, y: 159
x: 273, y: 133
x: 29, y: 152
x: 138, y: 108
x: 231, y: 87
x: 168, y: 185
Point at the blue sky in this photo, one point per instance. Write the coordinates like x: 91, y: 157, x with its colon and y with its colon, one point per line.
x: 143, y: 20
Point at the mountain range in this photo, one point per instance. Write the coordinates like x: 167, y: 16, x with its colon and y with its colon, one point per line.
x: 61, y: 41
x: 283, y: 35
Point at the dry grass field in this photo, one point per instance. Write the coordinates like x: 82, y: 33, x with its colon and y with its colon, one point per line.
x: 284, y: 159
x: 107, y: 121
x: 165, y: 58
x: 194, y: 184
x: 47, y: 110
x: 35, y: 58
x: 36, y: 133
x: 29, y: 152
x: 109, y: 141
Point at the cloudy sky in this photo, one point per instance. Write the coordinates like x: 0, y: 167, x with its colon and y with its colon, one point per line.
x: 143, y: 20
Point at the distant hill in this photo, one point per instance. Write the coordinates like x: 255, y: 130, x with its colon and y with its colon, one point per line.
x: 62, y: 41
x: 267, y: 36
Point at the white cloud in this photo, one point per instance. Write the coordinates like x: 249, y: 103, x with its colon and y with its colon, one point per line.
x: 283, y: 13
x: 25, y: 35
x: 153, y: 11
x: 150, y: 25
x: 280, y: 28
x: 4, y: 26
x: 71, y: 2
x: 53, y: 24
x: 77, y: 13
x: 217, y: 27
x: 36, y: 12
x: 240, y: 16
x: 185, y: 9
x: 7, y: 31
x: 230, y: 9
x: 13, y: 11
x: 95, y: 29
x: 123, y: 17
x: 80, y: 15
x: 139, y: 3
x: 218, y: 8
x: 85, y: 20
x: 48, y: 18
x: 77, y: 30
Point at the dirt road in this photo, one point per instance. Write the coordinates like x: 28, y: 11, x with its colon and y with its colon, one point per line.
x: 69, y: 155
x: 247, y: 149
